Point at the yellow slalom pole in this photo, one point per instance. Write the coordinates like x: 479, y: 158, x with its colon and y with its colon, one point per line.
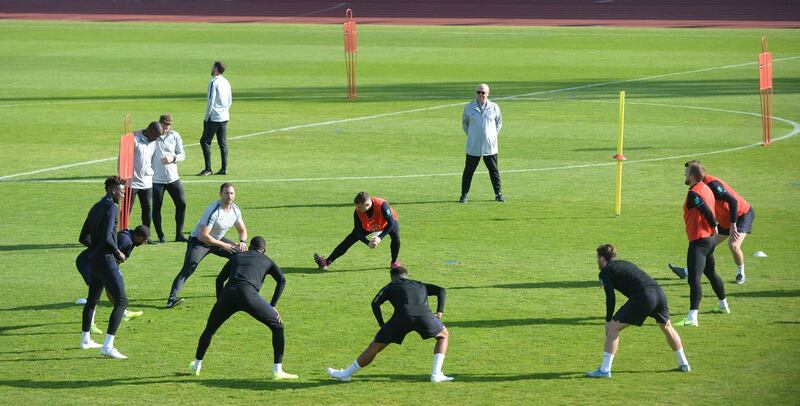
x: 620, y: 157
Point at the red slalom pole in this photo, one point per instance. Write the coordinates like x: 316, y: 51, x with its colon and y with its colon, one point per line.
x: 350, y: 53
x: 765, y: 87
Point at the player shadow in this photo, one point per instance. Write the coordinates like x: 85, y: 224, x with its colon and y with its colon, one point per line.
x: 767, y: 293
x: 175, y: 378
x: 264, y: 384
x: 536, y: 285
x: 296, y: 206
x: 317, y: 271
x: 48, y: 306
x: 786, y: 322
x: 472, y: 377
x: 161, y: 302
x: 35, y: 247
x: 5, y: 329
x: 498, y: 323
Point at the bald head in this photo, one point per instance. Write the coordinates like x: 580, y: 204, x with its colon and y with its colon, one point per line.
x: 482, y: 93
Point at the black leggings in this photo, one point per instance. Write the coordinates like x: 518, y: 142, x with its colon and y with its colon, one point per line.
x: 210, y: 128
x: 195, y: 252
x: 245, y: 299
x: 146, y: 200
x: 178, y: 195
x: 105, y: 273
x: 359, y: 235
x: 700, y: 260
x: 471, y: 164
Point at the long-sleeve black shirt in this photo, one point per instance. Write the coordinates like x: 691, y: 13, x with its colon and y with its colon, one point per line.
x: 99, y: 228
x: 387, y: 214
x: 249, y: 268
x: 625, y: 277
x: 409, y: 298
x: 720, y: 193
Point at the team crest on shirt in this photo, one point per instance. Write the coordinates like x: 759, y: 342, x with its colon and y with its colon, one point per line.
x: 698, y: 201
x: 720, y: 189
x: 388, y: 212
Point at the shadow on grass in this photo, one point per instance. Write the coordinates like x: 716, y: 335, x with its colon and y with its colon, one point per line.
x: 473, y: 377
x: 5, y: 329
x: 33, y: 247
x: 570, y: 321
x: 787, y: 322
x: 251, y: 384
x: 537, y: 285
x: 767, y: 293
x: 317, y: 271
x: 48, y: 306
x: 348, y: 205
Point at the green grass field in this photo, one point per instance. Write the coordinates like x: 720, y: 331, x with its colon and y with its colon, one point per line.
x: 524, y: 308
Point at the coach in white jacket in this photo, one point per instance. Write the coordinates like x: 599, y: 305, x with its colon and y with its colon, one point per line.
x: 168, y: 152
x: 215, y: 120
x: 481, y: 122
x: 142, y: 181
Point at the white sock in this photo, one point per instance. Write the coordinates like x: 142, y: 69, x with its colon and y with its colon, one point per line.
x: 608, y: 359
x: 692, y: 315
x: 681, y: 357
x: 277, y: 367
x: 723, y: 304
x: 740, y: 269
x: 126, y: 313
x: 109, y: 343
x: 197, y: 363
x: 353, y: 368
x: 438, y: 360
x: 86, y: 337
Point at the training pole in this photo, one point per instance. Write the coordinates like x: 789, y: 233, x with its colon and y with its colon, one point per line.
x: 765, y: 85
x: 619, y: 157
x: 350, y: 54
x: 125, y: 171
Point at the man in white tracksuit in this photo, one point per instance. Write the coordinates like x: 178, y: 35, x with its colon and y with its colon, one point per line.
x: 481, y: 122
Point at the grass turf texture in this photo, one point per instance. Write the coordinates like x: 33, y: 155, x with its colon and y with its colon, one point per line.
x: 523, y: 309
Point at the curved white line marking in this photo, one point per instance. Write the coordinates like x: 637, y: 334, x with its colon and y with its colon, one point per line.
x: 441, y: 106
x: 795, y: 131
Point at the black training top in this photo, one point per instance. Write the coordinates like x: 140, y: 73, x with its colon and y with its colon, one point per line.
x: 99, y: 229
x: 409, y: 298
x: 625, y: 277
x: 249, y: 268
x: 125, y: 242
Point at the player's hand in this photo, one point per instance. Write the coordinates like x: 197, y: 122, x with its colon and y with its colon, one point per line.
x: 734, y: 232
x: 120, y: 257
x: 168, y: 159
x: 230, y: 248
x: 438, y: 315
x: 375, y: 241
x: 242, y: 247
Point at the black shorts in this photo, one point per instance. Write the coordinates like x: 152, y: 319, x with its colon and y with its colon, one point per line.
x: 744, y: 224
x: 651, y: 302
x: 395, y: 330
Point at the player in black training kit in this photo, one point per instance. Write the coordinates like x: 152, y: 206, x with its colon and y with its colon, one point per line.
x: 411, y: 313
x: 245, y: 273
x: 127, y: 240
x: 645, y: 298
x: 100, y: 228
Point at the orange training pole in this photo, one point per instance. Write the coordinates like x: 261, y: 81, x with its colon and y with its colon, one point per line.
x: 350, y: 48
x: 125, y: 171
x: 765, y: 87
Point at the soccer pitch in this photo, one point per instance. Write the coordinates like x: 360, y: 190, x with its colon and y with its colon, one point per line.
x: 524, y: 308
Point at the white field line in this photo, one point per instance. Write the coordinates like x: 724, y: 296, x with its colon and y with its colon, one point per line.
x: 374, y: 116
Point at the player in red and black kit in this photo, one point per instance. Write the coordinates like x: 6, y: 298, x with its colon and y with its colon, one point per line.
x: 245, y: 273
x: 645, y: 299
x: 411, y: 313
x: 372, y: 215
x: 735, y: 218
x: 701, y: 228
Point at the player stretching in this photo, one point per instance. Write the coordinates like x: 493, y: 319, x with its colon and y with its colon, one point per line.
x: 645, y: 298
x: 245, y: 273
x: 372, y: 216
x: 411, y: 313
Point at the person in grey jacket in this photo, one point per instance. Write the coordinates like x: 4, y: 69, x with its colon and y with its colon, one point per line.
x: 168, y: 152
x: 481, y: 122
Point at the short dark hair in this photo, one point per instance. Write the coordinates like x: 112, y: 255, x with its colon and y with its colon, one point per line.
x: 224, y: 185
x: 607, y: 251
x: 142, y: 231
x: 165, y: 119
x: 258, y: 243
x: 220, y: 66
x: 398, y: 271
x: 155, y: 126
x: 361, y: 198
x: 113, y: 182
x: 696, y: 169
